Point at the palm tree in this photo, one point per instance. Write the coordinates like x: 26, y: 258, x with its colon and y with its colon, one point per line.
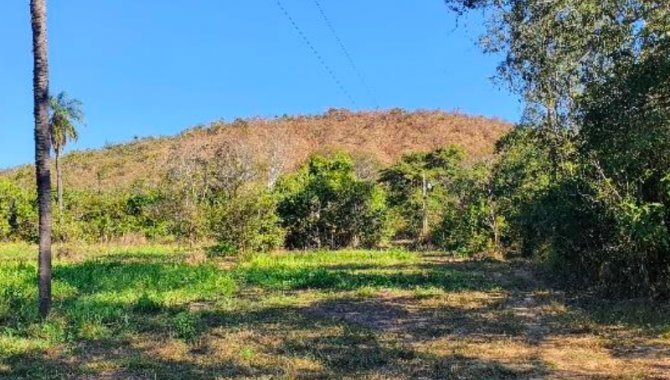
x: 38, y: 20
x: 65, y: 112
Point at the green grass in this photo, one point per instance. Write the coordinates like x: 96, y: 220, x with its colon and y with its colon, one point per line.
x: 105, y: 295
x: 352, y: 270
x: 163, y: 312
x: 110, y: 292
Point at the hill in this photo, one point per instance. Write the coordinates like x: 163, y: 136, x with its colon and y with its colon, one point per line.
x: 278, y: 145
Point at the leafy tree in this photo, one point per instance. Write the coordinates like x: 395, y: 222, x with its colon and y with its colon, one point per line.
x: 583, y: 187
x: 471, y: 220
x: 551, y: 48
x: 625, y: 142
x: 418, y: 187
x: 325, y: 205
x: 524, y: 188
x: 65, y: 113
x: 247, y: 222
x: 625, y: 126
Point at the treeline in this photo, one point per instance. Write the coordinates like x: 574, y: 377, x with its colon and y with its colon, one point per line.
x: 280, y: 144
x: 333, y: 201
x: 584, y: 183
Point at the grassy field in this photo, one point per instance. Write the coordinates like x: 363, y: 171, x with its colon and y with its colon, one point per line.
x: 161, y: 312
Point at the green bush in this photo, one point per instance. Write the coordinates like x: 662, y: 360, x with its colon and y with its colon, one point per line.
x: 325, y: 205
x: 18, y: 213
x: 185, y: 326
x: 95, y: 216
x: 437, y: 198
x: 470, y: 221
x: 587, y: 225
x: 625, y: 151
x: 421, y: 210
x: 522, y: 182
x: 245, y: 223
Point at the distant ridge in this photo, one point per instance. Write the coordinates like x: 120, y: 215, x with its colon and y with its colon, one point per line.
x: 377, y: 137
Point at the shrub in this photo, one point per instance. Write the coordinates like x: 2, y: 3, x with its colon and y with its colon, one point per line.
x: 524, y: 185
x: 95, y: 216
x: 590, y: 227
x: 186, y: 326
x: 419, y: 188
x: 246, y: 222
x: 18, y: 213
x: 325, y: 205
x: 470, y: 222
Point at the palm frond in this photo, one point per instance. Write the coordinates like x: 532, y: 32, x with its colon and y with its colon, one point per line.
x: 64, y: 114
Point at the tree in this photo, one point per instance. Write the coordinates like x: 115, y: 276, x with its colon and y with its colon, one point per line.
x: 65, y: 113
x: 38, y: 13
x: 552, y: 49
x: 325, y: 205
x: 418, y: 187
x: 625, y: 141
x: 182, y: 195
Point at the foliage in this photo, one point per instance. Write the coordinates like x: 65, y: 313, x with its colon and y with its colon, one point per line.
x: 18, y: 213
x: 583, y: 186
x: 325, y: 205
x: 625, y: 142
x: 438, y: 197
x: 92, y: 216
x: 470, y: 221
x: 583, y: 224
x: 522, y: 175
x: 64, y: 113
x: 548, y: 56
x: 419, y: 187
x: 246, y: 223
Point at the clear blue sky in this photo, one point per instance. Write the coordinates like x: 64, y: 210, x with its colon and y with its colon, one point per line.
x: 156, y: 67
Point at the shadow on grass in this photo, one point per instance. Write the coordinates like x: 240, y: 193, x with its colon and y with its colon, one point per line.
x: 346, y: 337
x: 448, y: 279
x: 124, y: 362
x: 339, y: 346
x: 103, y: 276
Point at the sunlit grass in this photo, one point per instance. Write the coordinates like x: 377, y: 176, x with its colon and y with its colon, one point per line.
x: 168, y: 312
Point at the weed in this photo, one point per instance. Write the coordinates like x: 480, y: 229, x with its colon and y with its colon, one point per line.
x: 185, y: 326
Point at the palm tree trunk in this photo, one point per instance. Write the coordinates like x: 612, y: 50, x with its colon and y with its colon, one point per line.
x: 59, y: 182
x: 38, y: 15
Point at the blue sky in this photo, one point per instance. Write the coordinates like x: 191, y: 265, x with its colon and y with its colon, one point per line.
x: 156, y: 67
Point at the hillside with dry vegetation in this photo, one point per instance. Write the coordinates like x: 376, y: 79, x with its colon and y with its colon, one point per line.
x: 280, y: 145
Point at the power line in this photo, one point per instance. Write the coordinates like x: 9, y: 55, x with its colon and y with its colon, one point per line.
x: 346, y: 53
x: 316, y: 53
